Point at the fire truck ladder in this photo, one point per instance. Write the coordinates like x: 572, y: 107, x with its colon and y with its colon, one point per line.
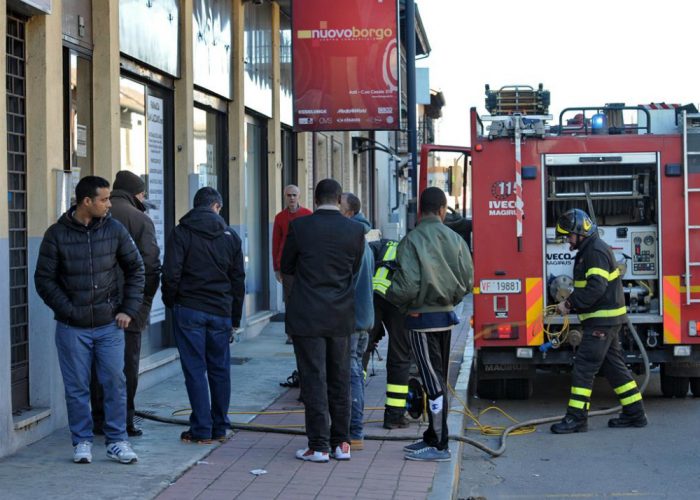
x: 691, y: 156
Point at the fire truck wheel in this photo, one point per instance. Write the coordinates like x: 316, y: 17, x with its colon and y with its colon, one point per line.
x: 674, y: 387
x: 695, y: 386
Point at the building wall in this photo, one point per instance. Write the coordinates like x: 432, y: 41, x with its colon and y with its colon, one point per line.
x: 317, y: 156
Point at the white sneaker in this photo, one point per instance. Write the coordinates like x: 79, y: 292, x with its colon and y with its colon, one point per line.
x: 341, y: 452
x: 121, y: 452
x: 309, y: 455
x: 82, y: 452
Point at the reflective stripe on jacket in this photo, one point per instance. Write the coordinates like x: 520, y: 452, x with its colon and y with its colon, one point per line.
x: 598, y: 298
x: 381, y: 280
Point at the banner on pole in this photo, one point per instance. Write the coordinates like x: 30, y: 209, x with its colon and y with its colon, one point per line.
x: 346, y: 65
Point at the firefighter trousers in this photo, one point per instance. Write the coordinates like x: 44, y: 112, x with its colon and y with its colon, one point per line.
x: 600, y: 352
x: 398, y: 358
x: 432, y: 353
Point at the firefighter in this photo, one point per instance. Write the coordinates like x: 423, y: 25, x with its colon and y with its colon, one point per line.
x: 599, y: 300
x: 398, y: 362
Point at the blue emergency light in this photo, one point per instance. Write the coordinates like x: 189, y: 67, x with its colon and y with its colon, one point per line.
x: 599, y: 124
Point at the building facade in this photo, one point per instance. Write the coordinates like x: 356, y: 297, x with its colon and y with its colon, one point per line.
x: 185, y: 93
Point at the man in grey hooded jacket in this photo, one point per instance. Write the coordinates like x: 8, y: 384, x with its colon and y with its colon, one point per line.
x: 350, y: 206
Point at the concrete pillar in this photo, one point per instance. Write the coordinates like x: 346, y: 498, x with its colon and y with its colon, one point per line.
x: 184, y: 113
x: 44, y: 117
x: 350, y: 179
x: 236, y: 119
x: 105, y: 89
x: 305, y: 174
x: 274, y: 136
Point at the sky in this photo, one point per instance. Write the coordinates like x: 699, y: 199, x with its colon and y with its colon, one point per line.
x: 585, y: 53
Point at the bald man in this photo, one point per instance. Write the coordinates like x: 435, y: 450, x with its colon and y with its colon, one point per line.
x: 280, y: 229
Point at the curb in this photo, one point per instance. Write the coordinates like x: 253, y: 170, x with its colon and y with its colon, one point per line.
x: 446, y: 479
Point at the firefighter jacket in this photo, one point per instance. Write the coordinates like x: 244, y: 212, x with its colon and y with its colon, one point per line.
x: 385, y: 262
x: 435, y: 269
x: 598, y: 298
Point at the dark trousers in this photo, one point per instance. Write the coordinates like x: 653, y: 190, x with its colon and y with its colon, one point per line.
x: 132, y: 355
x: 202, y: 341
x: 324, y: 368
x: 287, y: 282
x: 600, y: 351
x: 398, y: 358
x: 432, y: 353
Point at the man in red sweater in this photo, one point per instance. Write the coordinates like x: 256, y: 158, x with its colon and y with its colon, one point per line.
x: 279, y: 236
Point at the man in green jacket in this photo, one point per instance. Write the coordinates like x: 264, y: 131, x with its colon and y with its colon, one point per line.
x: 434, y: 274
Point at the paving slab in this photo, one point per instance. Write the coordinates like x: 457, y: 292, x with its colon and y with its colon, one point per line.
x: 170, y: 469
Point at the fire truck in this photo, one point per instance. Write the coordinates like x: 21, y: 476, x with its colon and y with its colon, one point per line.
x: 636, y: 171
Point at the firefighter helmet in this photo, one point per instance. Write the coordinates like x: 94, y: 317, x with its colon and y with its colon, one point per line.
x: 575, y: 221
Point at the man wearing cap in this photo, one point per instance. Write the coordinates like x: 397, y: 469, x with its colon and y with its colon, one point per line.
x: 127, y: 197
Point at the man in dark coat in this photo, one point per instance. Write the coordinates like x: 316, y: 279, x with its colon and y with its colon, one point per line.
x: 128, y: 196
x: 76, y: 276
x: 204, y: 285
x: 323, y: 251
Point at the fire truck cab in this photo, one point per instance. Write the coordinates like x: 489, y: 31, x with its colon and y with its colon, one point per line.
x: 636, y: 171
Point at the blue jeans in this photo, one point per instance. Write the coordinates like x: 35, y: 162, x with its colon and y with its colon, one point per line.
x: 202, y: 340
x: 77, y: 347
x: 358, y: 346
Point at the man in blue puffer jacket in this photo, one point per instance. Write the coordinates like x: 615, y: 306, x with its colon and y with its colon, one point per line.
x: 350, y: 206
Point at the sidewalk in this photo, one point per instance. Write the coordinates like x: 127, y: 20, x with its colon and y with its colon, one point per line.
x: 170, y: 469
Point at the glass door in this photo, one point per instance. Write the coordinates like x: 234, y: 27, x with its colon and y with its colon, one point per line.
x: 210, y: 152
x: 254, y: 229
x: 146, y: 137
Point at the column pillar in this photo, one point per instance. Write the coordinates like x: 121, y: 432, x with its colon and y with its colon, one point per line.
x: 236, y: 118
x: 184, y: 113
x: 44, y: 103
x: 274, y: 136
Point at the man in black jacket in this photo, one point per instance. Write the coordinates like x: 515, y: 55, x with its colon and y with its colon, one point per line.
x: 76, y: 276
x: 323, y: 251
x: 599, y: 300
x: 204, y: 284
x: 128, y: 195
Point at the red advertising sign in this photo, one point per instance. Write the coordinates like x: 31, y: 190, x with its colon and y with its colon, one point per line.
x: 346, y: 65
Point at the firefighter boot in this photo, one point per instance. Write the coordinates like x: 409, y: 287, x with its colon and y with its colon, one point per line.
x: 631, y: 416
x: 395, y: 419
x: 570, y: 423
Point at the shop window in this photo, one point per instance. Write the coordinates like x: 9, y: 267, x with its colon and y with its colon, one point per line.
x: 209, y: 156
x: 77, y: 77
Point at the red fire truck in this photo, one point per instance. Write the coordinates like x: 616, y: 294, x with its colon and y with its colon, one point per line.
x: 636, y: 170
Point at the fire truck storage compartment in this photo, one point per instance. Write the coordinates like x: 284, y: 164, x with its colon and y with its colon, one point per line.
x: 621, y: 193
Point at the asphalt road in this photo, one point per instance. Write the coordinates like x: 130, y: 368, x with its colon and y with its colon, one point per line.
x: 660, y: 461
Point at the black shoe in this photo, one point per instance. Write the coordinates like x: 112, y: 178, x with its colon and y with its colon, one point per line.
x: 570, y: 424
x: 133, y: 431
x: 187, y: 437
x: 628, y: 420
x: 396, y: 423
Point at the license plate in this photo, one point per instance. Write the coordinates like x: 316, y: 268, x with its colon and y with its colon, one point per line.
x: 499, y: 286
